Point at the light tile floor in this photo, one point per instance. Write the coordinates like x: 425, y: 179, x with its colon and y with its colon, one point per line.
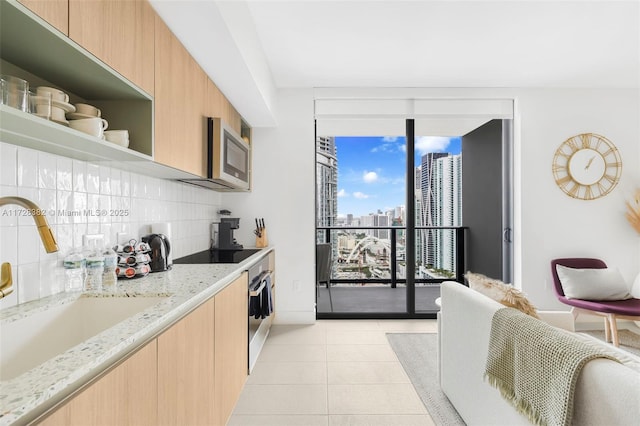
x: 332, y: 373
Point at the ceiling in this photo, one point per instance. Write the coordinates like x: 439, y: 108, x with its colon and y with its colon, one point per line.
x: 449, y: 43
x: 423, y: 43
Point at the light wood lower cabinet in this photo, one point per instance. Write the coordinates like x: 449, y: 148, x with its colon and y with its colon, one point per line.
x: 124, y: 396
x: 186, y: 369
x: 55, y: 12
x: 192, y: 374
x: 232, y: 346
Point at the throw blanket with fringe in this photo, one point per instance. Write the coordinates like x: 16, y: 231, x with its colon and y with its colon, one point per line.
x: 536, y: 366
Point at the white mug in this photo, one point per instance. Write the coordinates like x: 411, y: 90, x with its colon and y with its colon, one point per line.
x: 118, y: 137
x: 56, y: 94
x: 87, y: 109
x: 93, y: 126
x: 57, y: 114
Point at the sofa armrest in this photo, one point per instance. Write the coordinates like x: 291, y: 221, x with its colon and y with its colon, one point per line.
x: 465, y: 326
x: 606, y: 392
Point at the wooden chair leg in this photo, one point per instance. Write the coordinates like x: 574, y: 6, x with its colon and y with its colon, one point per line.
x: 614, y: 329
x: 607, y: 332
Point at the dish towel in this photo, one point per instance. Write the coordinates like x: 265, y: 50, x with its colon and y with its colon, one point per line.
x: 267, y: 303
x: 261, y: 306
x: 536, y: 366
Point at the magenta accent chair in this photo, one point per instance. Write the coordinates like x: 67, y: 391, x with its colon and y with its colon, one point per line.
x: 611, y: 310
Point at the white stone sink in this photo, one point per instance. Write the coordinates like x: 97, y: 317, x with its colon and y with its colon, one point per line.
x: 33, y: 340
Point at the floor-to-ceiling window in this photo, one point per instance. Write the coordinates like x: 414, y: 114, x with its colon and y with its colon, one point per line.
x: 389, y: 202
x: 361, y: 211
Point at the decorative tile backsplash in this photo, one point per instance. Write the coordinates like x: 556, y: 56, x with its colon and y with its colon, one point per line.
x: 85, y: 198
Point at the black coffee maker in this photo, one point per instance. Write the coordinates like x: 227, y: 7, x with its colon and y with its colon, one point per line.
x: 160, y: 249
x: 224, y: 239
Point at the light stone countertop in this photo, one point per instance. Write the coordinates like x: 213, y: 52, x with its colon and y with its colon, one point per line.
x: 24, y: 398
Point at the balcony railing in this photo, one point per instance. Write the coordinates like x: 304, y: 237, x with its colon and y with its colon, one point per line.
x: 376, y: 254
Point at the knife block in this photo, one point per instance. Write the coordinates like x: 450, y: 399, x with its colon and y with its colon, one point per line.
x: 262, y: 241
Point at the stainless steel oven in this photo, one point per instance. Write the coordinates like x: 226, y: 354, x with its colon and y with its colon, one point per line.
x: 261, y: 306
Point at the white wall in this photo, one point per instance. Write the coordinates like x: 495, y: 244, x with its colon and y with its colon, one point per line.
x: 283, y: 194
x: 552, y: 224
x: 58, y: 184
x: 548, y: 223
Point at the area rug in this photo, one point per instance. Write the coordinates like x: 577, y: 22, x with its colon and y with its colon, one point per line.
x: 629, y: 341
x: 418, y: 354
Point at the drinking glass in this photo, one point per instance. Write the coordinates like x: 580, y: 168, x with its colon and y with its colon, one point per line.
x: 40, y: 104
x: 15, y: 92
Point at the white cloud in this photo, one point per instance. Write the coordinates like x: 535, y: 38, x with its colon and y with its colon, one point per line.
x: 390, y: 144
x: 426, y: 144
x: 360, y: 195
x: 342, y: 193
x: 369, y: 177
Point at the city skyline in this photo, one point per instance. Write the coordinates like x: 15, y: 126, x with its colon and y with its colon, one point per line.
x: 371, y: 170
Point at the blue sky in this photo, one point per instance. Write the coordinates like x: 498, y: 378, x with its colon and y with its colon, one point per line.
x: 371, y: 170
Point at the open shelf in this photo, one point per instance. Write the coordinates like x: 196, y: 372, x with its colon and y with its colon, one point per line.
x: 24, y: 129
x: 32, y: 44
x: 32, y: 49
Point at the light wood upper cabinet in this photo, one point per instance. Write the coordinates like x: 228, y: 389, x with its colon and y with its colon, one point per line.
x: 124, y: 396
x: 180, y: 91
x: 232, y: 340
x: 55, y: 12
x: 217, y: 105
x: 186, y: 370
x: 120, y: 33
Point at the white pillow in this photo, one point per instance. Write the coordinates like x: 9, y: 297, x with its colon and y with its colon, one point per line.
x: 593, y: 284
x: 635, y: 288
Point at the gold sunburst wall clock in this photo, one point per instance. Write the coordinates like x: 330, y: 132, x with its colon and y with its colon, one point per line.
x: 587, y: 166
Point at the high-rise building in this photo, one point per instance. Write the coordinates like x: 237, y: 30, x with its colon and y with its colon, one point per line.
x: 417, y: 208
x: 428, y: 185
x: 448, y: 207
x: 441, y: 190
x: 327, y: 183
x: 374, y: 220
x: 382, y: 220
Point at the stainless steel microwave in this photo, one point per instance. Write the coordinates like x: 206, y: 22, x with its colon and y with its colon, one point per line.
x: 229, y: 156
x: 228, y: 159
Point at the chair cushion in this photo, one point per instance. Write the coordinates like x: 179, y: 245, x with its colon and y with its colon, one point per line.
x: 501, y: 292
x: 593, y: 284
x: 628, y: 307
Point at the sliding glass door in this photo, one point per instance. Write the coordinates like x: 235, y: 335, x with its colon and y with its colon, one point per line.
x: 390, y: 202
x: 382, y: 205
x: 360, y: 205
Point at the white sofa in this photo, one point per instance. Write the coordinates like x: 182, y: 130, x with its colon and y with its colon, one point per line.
x: 607, y: 393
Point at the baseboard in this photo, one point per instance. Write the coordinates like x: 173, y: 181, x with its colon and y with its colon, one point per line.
x: 293, y: 317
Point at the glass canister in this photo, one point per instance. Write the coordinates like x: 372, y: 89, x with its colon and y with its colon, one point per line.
x: 15, y: 92
x: 40, y: 104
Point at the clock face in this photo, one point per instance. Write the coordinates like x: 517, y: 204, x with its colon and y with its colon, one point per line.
x: 587, y: 166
